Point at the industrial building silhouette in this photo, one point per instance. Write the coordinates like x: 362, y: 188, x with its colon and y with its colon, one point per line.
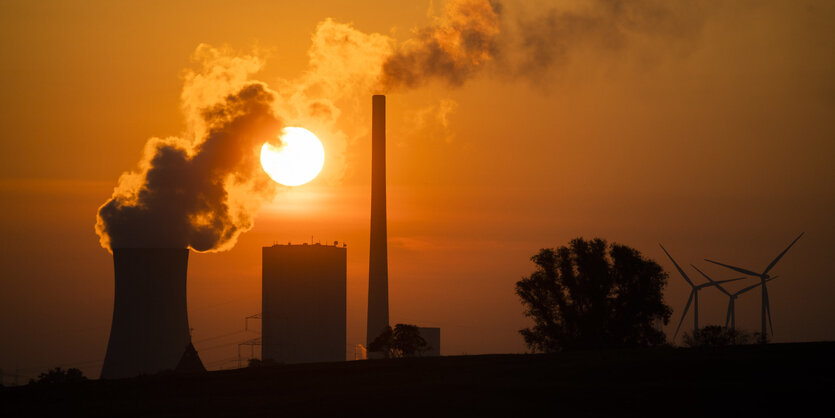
x: 432, y: 336
x: 149, y: 332
x: 378, y: 293
x: 304, y: 294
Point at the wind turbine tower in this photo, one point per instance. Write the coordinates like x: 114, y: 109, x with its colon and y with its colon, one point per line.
x: 731, y: 316
x: 694, y: 294
x: 764, y: 278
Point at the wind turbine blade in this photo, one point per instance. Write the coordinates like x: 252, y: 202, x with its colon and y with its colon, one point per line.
x: 711, y: 280
x: 686, y: 307
x: 729, y: 280
x: 739, y: 269
x: 768, y: 309
x: 767, y: 269
x: 743, y: 290
x: 683, y: 274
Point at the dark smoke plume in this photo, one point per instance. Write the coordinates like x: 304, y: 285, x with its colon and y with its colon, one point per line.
x: 527, y: 42
x: 182, y: 198
x: 456, y: 47
x: 546, y: 38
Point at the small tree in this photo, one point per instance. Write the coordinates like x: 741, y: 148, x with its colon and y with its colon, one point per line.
x: 593, y: 295
x: 384, y: 343
x: 402, y: 341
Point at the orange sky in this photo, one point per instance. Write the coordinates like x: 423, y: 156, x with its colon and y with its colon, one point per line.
x: 714, y: 137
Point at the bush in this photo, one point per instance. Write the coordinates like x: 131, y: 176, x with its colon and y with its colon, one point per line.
x: 716, y: 336
x: 58, y: 376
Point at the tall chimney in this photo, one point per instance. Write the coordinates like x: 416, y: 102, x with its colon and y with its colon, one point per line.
x: 150, y: 331
x: 378, y: 293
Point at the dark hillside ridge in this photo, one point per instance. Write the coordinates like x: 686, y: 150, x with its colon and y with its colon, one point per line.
x: 770, y: 380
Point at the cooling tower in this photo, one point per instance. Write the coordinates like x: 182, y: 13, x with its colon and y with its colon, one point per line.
x: 150, y: 330
x: 378, y: 294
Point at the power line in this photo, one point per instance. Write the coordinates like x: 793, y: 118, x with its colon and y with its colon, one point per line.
x: 220, y: 336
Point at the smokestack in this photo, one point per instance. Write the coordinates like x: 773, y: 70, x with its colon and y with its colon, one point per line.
x: 378, y: 293
x: 150, y: 330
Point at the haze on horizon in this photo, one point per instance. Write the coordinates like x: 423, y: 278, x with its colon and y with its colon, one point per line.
x: 712, y: 135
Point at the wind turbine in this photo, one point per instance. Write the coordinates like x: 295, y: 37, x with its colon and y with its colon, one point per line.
x: 731, y: 316
x: 766, y: 308
x: 694, y: 294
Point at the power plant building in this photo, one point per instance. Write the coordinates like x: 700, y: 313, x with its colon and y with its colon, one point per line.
x: 149, y: 332
x: 304, y: 293
x: 432, y: 336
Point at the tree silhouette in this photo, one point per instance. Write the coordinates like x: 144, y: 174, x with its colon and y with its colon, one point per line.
x: 593, y: 295
x: 402, y: 341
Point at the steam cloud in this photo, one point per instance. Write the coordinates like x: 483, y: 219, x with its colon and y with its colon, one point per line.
x: 201, y: 190
x: 548, y: 38
x: 198, y: 193
x: 463, y: 40
x: 473, y: 35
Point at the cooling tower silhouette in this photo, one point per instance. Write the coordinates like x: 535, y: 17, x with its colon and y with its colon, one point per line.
x: 150, y: 330
x: 378, y: 293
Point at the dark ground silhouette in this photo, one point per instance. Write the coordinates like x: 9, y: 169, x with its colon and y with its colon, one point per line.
x: 753, y: 380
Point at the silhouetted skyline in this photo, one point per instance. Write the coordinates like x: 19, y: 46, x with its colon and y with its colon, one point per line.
x: 705, y: 127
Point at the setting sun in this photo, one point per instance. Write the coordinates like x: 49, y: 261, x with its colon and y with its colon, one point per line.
x: 297, y: 160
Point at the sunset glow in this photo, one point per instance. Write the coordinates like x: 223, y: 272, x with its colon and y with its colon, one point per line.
x: 510, y: 126
x: 297, y: 160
